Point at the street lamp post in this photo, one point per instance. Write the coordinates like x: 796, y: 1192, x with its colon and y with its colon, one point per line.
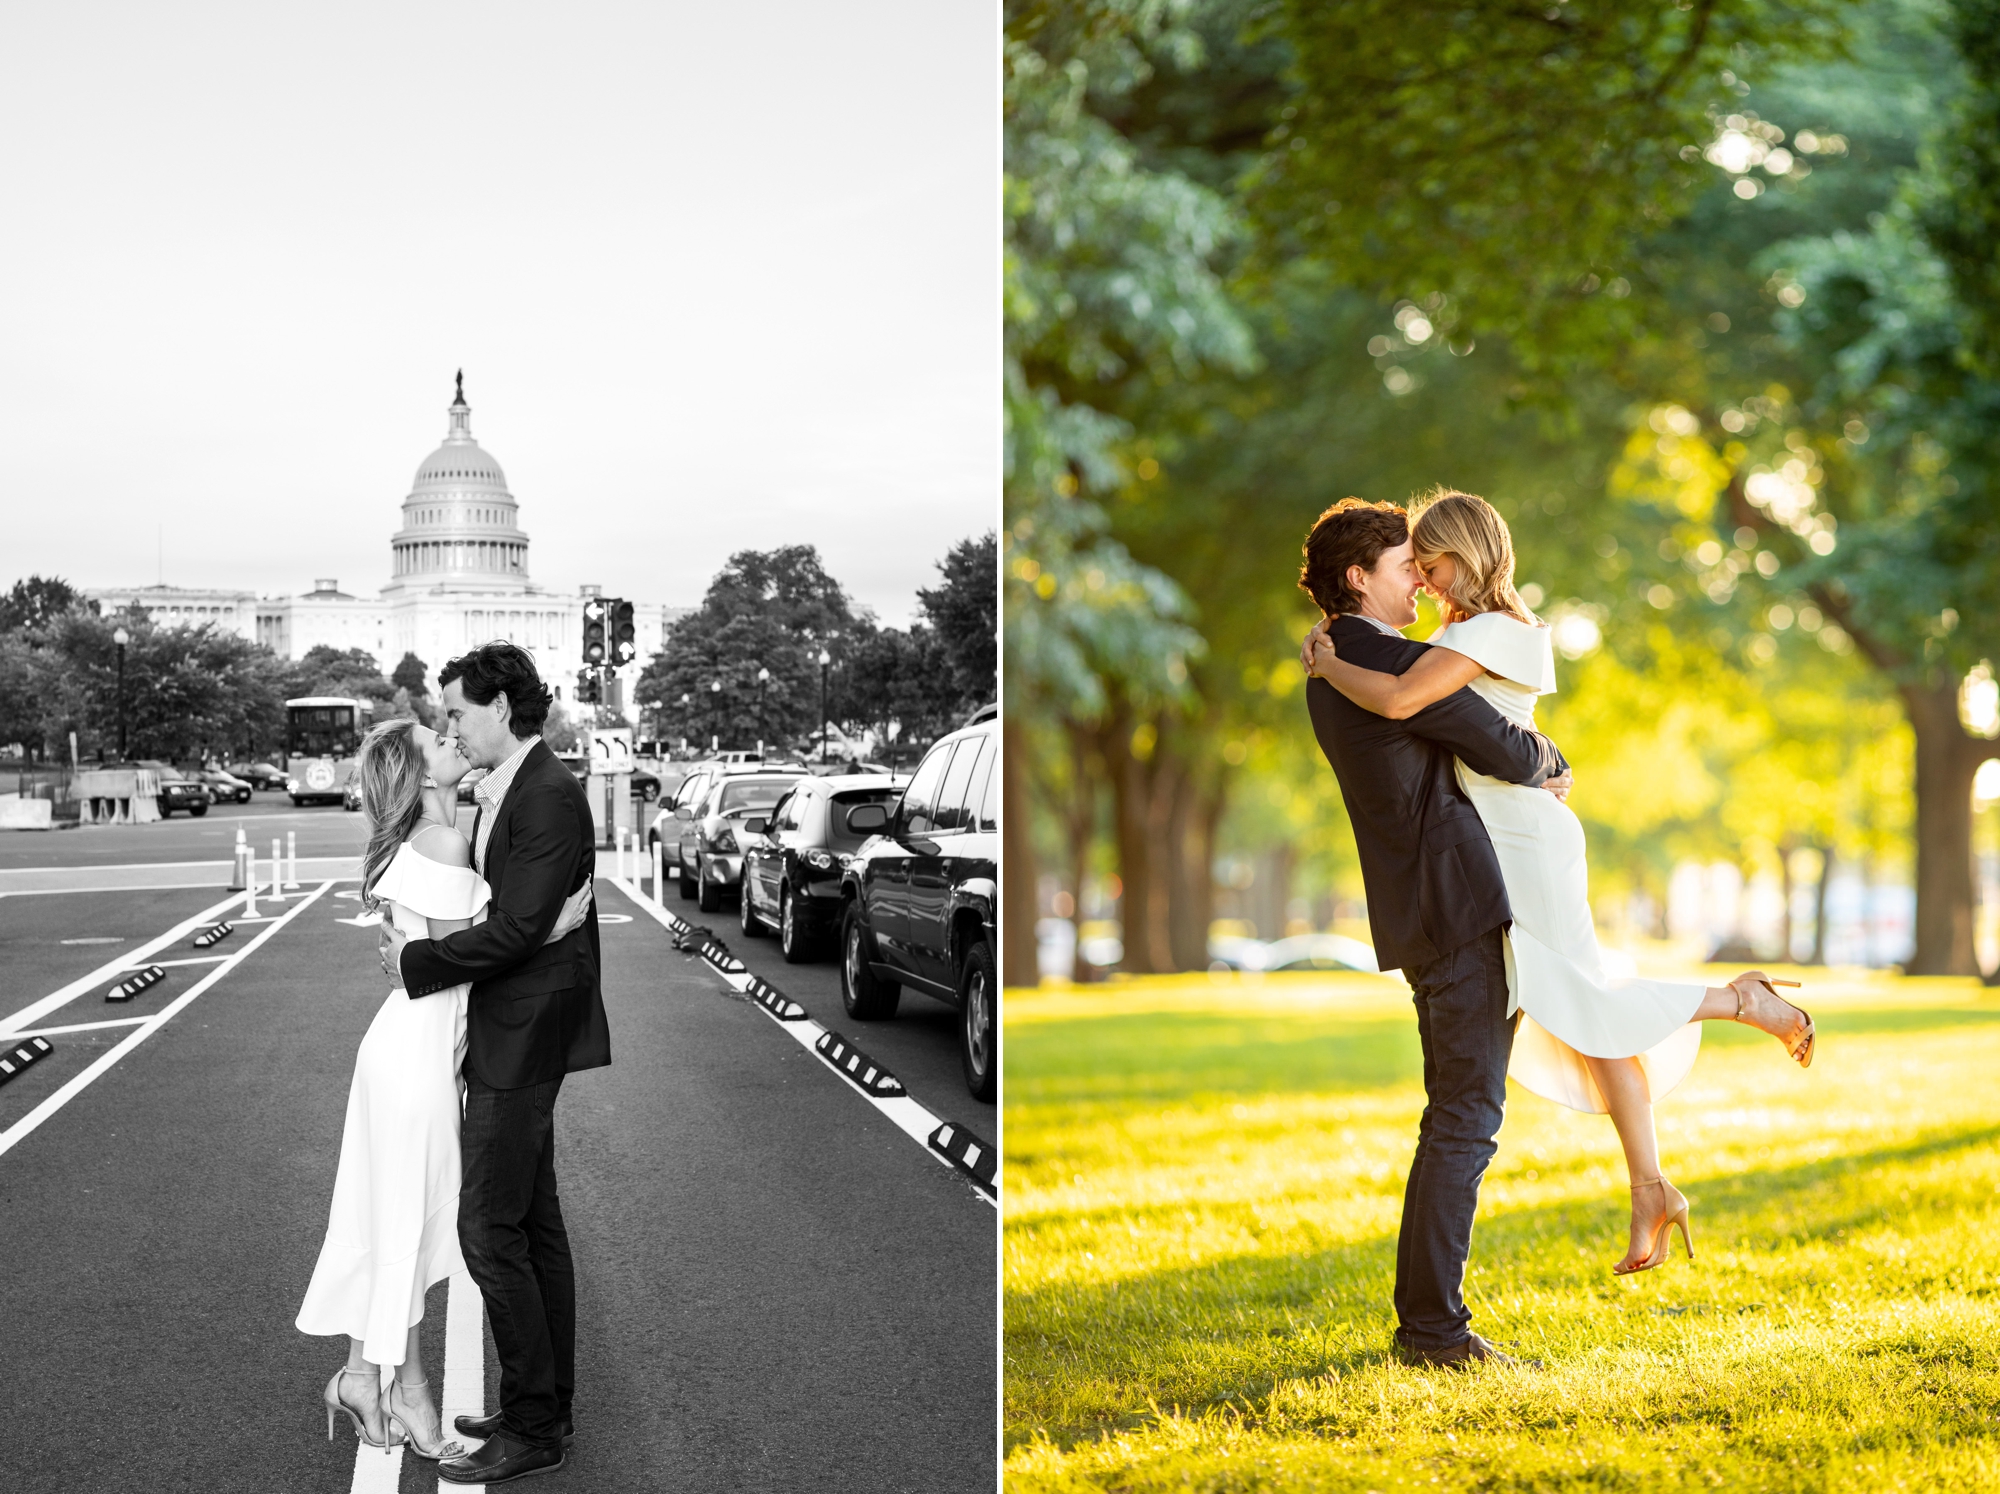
x: 763, y: 679
x: 121, y: 638
x: 715, y: 689
x: 825, y: 659
x: 686, y: 703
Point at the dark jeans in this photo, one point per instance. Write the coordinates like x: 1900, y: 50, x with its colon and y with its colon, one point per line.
x: 510, y: 1227
x: 1467, y: 1036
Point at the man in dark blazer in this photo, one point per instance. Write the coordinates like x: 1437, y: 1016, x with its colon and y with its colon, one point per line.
x: 535, y: 1013
x: 1437, y: 906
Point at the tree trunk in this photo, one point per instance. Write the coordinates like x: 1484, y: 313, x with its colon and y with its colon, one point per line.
x: 1947, y: 759
x: 1191, y: 894
x: 1819, y: 904
x: 1131, y: 804
x: 1017, y: 898
x: 1785, y: 891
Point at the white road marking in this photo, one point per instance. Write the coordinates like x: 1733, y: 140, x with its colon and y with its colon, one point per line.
x: 107, y: 972
x: 157, y: 875
x: 912, y: 1119
x: 376, y: 1471
x: 190, y: 960
x: 27, y: 1124
x: 83, y: 1027
x: 464, y: 1361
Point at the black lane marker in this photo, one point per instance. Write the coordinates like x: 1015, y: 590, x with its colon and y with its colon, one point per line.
x: 773, y: 1000
x: 217, y: 934
x: 856, y: 1066
x: 965, y: 1151
x: 125, y: 990
x: 24, y: 1056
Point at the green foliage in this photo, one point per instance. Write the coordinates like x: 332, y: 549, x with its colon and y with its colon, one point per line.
x: 1507, y: 159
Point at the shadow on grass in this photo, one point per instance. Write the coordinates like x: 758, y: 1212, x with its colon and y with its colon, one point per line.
x: 1229, y: 1330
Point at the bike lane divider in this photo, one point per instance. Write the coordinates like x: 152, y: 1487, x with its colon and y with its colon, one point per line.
x: 29, y: 1123
x: 108, y: 972
x: 948, y: 1143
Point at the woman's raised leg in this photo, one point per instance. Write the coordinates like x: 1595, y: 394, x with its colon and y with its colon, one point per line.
x: 1655, y: 1201
x: 1752, y: 1000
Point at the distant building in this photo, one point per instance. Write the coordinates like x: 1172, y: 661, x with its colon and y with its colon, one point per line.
x: 458, y: 578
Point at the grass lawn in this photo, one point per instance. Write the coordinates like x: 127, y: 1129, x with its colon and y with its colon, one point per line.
x: 1203, y: 1179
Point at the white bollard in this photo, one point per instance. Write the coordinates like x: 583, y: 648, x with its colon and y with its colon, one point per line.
x: 277, y: 867
x: 620, y: 862
x: 291, y: 860
x: 249, y: 882
x: 659, y: 874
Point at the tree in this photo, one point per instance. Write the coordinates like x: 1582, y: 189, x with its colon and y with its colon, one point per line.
x: 412, y: 675
x: 34, y: 603
x: 964, y: 613
x: 766, y: 611
x: 326, y: 670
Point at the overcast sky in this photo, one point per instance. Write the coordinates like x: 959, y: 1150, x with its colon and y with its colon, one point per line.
x: 720, y: 277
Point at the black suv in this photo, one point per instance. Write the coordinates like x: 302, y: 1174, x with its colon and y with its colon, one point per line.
x: 177, y: 790
x: 919, y: 898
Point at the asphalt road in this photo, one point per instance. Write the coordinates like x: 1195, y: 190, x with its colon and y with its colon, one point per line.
x: 919, y: 1044
x: 778, y: 1289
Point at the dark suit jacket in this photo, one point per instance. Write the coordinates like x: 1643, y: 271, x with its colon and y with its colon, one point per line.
x: 1433, y: 881
x: 536, y: 1012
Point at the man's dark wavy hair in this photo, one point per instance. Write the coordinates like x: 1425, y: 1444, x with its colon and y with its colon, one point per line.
x: 1352, y: 532
x: 502, y: 669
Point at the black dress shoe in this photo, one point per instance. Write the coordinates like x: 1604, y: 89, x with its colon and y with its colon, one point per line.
x: 486, y: 1426
x: 500, y: 1461
x: 1471, y: 1349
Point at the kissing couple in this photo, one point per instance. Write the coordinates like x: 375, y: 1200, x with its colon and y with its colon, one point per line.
x: 1478, y: 889
x: 447, y: 1162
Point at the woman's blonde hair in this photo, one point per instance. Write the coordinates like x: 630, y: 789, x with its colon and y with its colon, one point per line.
x: 1473, y: 534
x: 392, y: 771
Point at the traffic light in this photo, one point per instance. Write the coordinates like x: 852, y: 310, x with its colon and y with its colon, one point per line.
x: 624, y: 635
x: 589, y: 689
x: 593, y: 630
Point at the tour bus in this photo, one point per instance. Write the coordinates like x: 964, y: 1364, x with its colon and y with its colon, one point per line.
x: 322, y: 735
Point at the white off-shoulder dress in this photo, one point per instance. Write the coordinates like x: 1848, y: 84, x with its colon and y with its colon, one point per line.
x: 393, y: 1230
x: 1555, y: 970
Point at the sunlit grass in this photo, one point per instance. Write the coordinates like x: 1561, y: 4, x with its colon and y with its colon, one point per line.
x: 1203, y: 1183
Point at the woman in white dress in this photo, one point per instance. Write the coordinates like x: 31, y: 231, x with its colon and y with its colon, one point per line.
x: 393, y: 1229
x: 1585, y: 1040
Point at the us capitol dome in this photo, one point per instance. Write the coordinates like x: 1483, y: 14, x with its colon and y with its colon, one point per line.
x: 458, y: 577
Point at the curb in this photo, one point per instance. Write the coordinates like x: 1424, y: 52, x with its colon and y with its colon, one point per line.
x: 214, y: 936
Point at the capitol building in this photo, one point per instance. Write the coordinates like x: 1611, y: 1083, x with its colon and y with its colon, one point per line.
x: 458, y: 577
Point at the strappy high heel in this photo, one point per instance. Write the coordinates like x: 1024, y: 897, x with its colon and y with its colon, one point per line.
x: 1801, y: 1051
x: 398, y: 1423
x: 336, y: 1402
x: 1663, y: 1232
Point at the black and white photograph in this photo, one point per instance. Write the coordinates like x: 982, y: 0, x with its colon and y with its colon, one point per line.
x: 500, y: 747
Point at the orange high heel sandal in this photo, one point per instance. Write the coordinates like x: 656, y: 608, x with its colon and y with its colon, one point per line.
x: 1663, y: 1235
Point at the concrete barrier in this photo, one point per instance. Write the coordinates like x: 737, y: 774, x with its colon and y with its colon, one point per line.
x: 17, y: 813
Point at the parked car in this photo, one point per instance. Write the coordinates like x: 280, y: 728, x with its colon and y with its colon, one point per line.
x: 645, y: 785
x: 793, y: 859
x: 259, y: 775
x: 468, y: 783
x: 177, y: 790
x: 350, y: 794
x: 919, y: 897
x: 716, y: 823
x: 223, y: 788
x: 674, y: 831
